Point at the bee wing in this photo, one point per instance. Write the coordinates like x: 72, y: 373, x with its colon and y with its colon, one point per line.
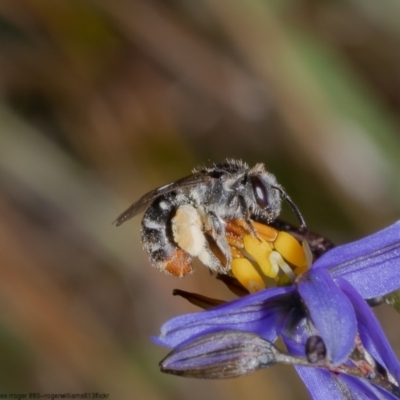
x: 140, y: 205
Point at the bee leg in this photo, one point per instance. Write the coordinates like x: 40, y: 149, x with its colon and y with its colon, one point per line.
x: 210, y: 260
x: 245, y: 211
x: 188, y: 233
x: 216, y: 227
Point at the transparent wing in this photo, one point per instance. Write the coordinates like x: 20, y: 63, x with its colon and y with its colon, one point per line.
x: 140, y: 205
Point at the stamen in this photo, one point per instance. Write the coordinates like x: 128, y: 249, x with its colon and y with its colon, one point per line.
x: 247, y: 275
x: 260, y: 251
x: 290, y: 249
x: 236, y: 228
x: 278, y: 262
x: 308, y: 253
x: 278, y: 255
x: 309, y: 257
x: 234, y: 241
x: 266, y: 232
x: 235, y: 252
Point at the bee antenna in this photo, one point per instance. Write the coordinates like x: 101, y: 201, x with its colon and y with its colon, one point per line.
x: 293, y: 206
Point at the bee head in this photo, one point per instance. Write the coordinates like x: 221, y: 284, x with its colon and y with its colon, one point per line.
x: 268, y: 195
x: 267, y: 200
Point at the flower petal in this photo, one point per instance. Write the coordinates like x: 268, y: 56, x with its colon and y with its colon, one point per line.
x: 326, y: 385
x: 225, y: 354
x: 371, y: 265
x: 372, y: 335
x: 331, y: 312
x: 261, y: 313
x: 362, y: 389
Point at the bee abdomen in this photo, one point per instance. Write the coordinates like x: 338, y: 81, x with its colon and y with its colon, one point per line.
x: 158, y: 239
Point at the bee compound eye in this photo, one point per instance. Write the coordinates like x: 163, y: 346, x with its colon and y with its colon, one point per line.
x: 260, y: 192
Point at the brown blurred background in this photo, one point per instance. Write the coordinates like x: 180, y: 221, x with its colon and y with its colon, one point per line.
x: 101, y: 101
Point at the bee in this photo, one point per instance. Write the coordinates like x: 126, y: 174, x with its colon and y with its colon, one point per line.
x: 187, y: 218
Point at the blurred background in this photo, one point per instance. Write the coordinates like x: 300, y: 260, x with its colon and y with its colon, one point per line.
x: 101, y: 101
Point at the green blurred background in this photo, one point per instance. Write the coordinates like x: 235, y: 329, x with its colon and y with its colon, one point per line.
x: 101, y: 101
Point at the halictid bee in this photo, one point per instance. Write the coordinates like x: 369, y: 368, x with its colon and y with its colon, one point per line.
x: 188, y: 218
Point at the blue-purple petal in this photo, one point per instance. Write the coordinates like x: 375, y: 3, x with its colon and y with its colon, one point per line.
x: 331, y: 296
x: 362, y: 389
x: 371, y: 333
x: 328, y: 386
x: 322, y: 384
x: 331, y: 312
x: 371, y: 265
x: 262, y: 313
x: 319, y: 383
x: 221, y: 355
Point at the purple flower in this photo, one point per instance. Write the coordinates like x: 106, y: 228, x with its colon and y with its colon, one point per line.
x: 330, y: 331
